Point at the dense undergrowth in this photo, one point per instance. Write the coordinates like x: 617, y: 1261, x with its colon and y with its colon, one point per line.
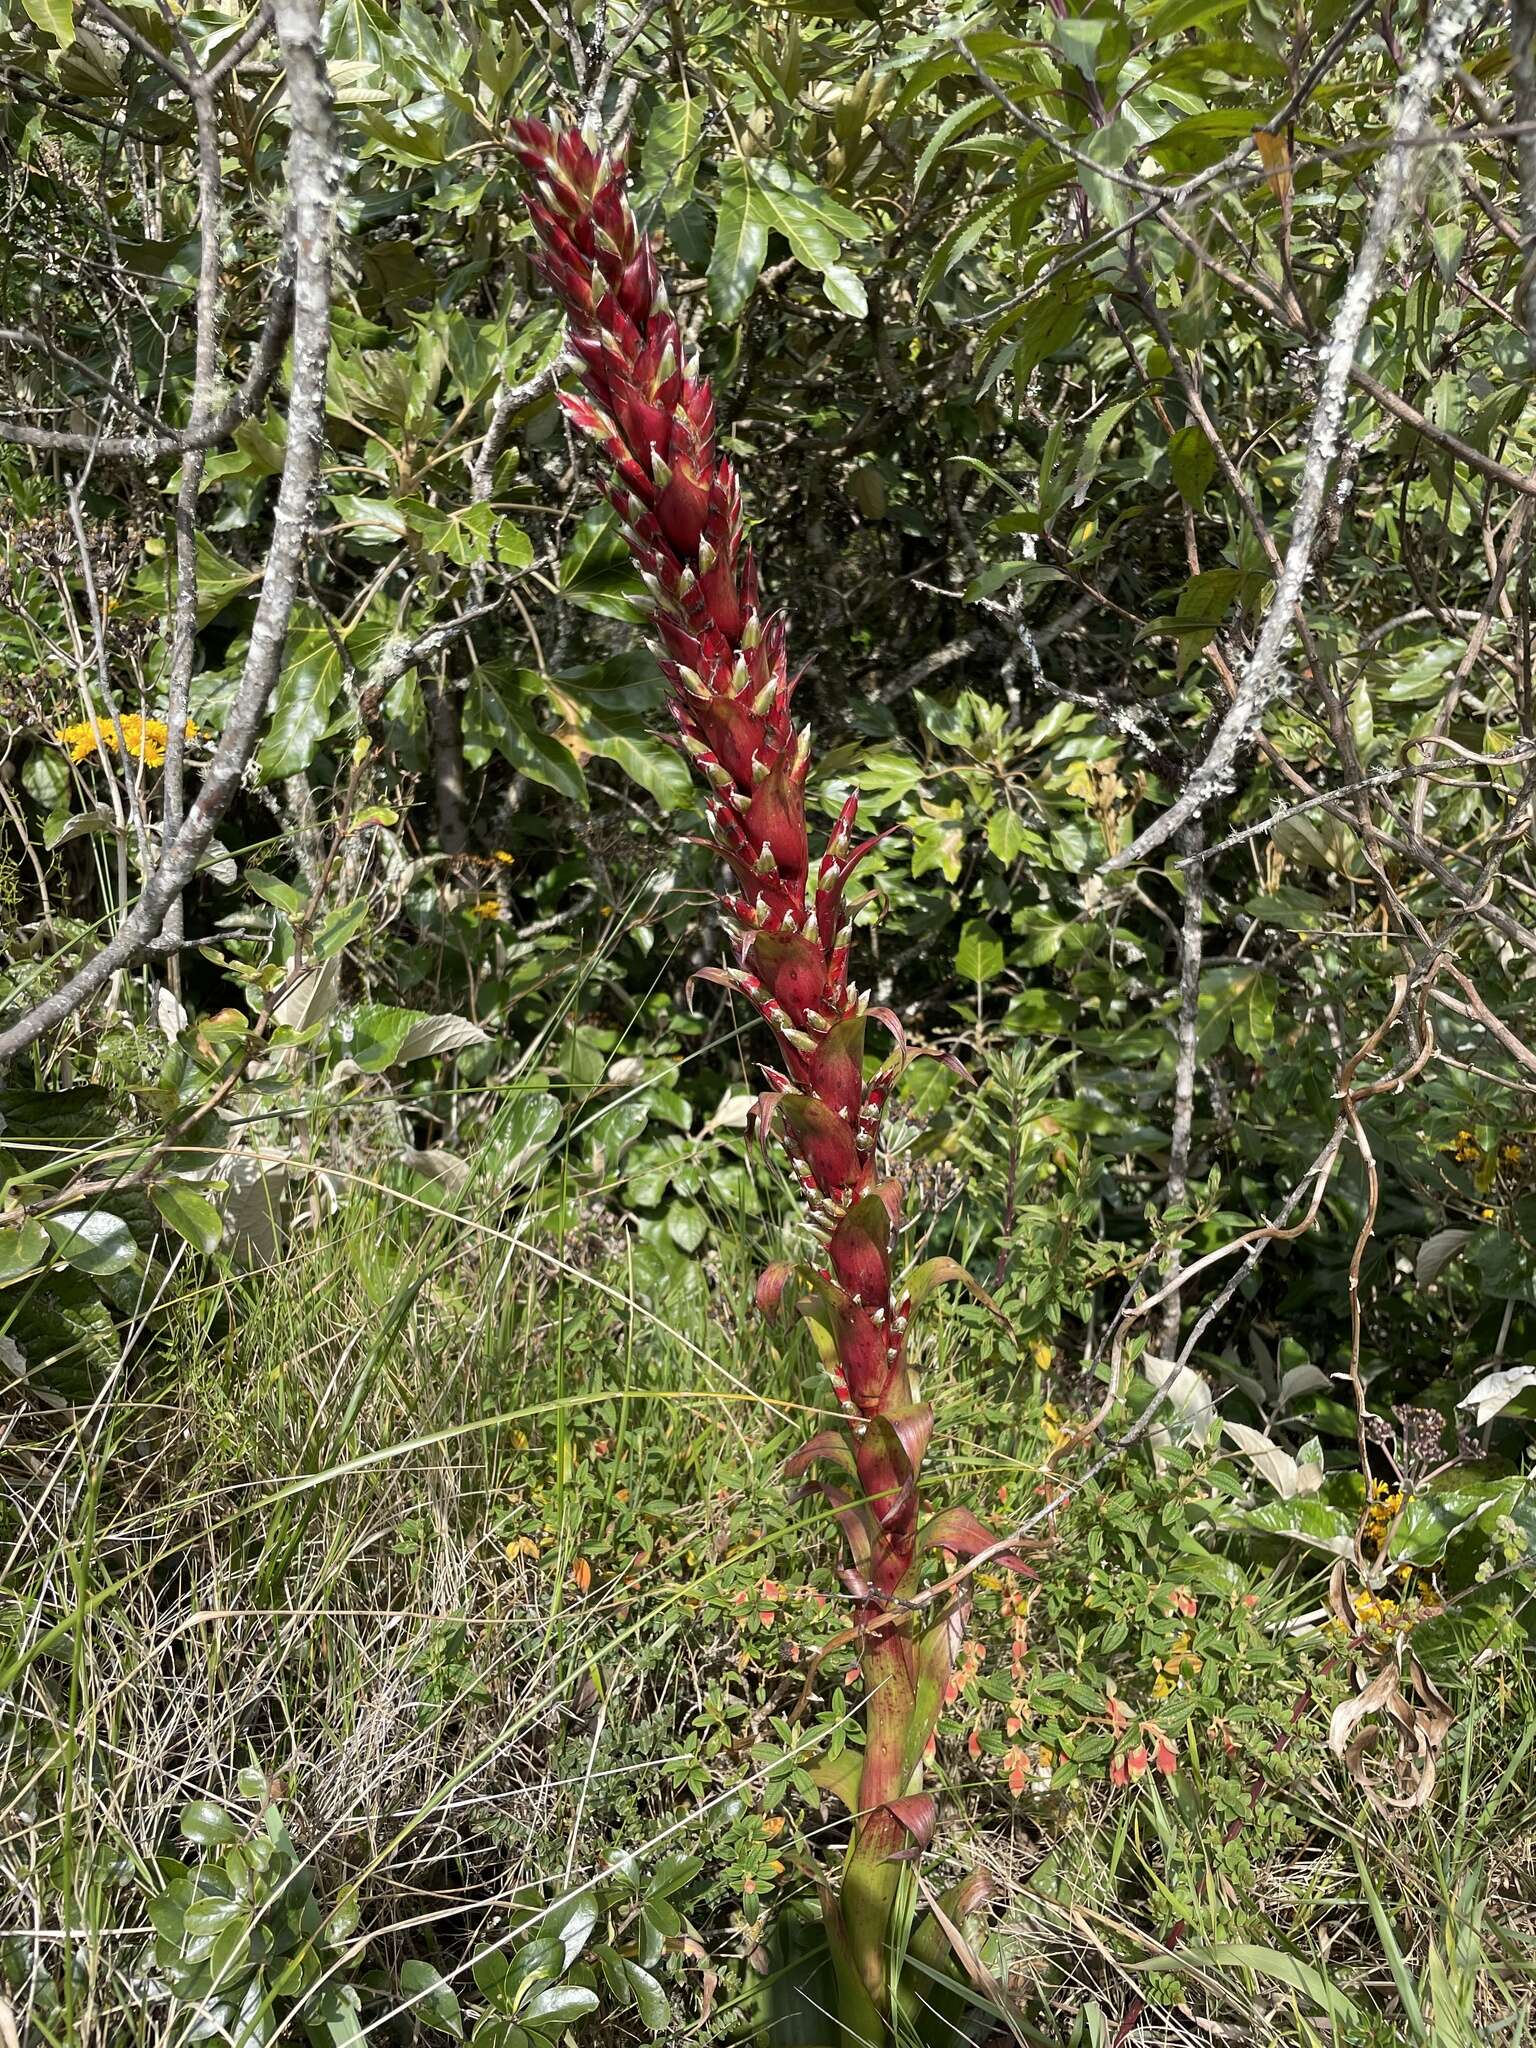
x: 385, y: 1598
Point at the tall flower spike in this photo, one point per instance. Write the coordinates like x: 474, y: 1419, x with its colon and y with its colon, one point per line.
x: 652, y: 418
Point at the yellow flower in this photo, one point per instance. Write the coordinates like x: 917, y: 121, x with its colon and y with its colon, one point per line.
x: 1056, y: 1433
x: 1381, y: 1511
x: 504, y: 858
x: 145, y: 739
x: 487, y: 907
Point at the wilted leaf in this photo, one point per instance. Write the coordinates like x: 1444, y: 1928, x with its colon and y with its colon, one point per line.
x: 1494, y: 1392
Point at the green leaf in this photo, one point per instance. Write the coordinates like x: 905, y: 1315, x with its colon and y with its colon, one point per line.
x: 205, y: 1822
x: 1192, y: 461
x: 1281, y: 1968
x: 815, y: 227
x: 23, y: 1248
x: 572, y: 1924
x: 374, y: 1033
x: 954, y: 124
x: 1007, y: 836
x: 432, y: 1999
x: 979, y: 955
x: 741, y: 243
x: 274, y: 890
x: 338, y: 928
x: 842, y: 288
x: 670, y: 156
x: 306, y: 697
x: 519, y: 1137
x: 558, y: 2006
x: 512, y: 728
x: 440, y: 1036
x: 1078, y: 37
x: 597, y: 573
x: 92, y: 1239
x: 189, y: 1213
x: 55, y: 17
x: 687, y: 1226
x: 1025, y: 575
x: 650, y: 1999
x: 628, y: 743
x: 959, y: 242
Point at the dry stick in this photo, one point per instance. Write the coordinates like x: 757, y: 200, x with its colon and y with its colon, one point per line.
x: 312, y: 175
x: 1477, y: 1011
x: 1191, y: 945
x: 1522, y: 66
x: 1263, y: 677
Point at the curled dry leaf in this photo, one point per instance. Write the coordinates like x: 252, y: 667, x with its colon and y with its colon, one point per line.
x: 1389, y: 1736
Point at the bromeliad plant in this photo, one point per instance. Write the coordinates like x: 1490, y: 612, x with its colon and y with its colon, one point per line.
x: 724, y: 656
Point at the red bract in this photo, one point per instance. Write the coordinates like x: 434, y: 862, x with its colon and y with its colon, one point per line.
x: 731, y: 696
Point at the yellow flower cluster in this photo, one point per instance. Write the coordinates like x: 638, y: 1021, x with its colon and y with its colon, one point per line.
x: 1381, y: 1511
x: 144, y: 738
x: 1465, y: 1149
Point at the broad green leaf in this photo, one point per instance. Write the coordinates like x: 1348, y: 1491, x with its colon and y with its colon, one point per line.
x: 597, y: 573
x: 208, y: 1824
x: 741, y: 243
x: 518, y: 1139
x: 979, y: 955
x: 572, y: 1925
x: 509, y: 723
x: 669, y: 158
x: 96, y: 1241
x: 55, y: 17
x: 338, y: 928
x: 1192, y: 461
x: 557, y: 2007
x: 305, y: 700
x: 189, y: 1213
x: 439, y: 1036
x: 432, y: 1999
x: 650, y: 1999
x: 628, y: 743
